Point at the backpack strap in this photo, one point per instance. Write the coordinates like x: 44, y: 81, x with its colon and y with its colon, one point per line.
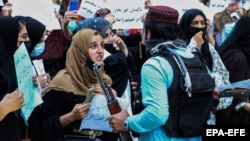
x: 166, y: 49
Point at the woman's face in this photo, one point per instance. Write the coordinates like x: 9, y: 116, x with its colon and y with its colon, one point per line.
x: 108, y: 38
x: 96, y: 49
x: 22, y: 35
x: 198, y: 22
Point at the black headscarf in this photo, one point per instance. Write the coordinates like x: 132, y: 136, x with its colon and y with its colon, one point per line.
x: 35, y: 30
x: 239, y: 39
x: 9, y: 29
x: 190, y: 31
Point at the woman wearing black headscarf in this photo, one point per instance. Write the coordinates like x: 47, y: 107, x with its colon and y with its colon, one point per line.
x: 196, y: 27
x: 36, y: 31
x: 12, y: 34
x: 193, y: 28
x: 235, y: 54
x: 200, y: 40
x: 235, y: 51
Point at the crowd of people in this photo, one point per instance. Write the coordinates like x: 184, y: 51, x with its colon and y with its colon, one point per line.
x: 170, y: 75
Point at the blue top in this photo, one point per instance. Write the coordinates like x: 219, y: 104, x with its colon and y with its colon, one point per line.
x: 157, y: 76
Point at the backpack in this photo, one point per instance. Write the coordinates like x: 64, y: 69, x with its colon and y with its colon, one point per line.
x: 189, y: 95
x: 177, y: 63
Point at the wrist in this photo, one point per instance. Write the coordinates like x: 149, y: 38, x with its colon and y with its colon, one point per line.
x: 125, y: 125
x: 3, y: 109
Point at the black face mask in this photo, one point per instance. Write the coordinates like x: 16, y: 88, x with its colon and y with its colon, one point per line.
x: 28, y: 46
x: 89, y: 63
x: 193, y: 30
x: 109, y: 47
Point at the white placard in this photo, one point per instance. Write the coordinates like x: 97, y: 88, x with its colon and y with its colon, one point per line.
x: 42, y: 10
x: 183, y: 5
x: 127, y: 13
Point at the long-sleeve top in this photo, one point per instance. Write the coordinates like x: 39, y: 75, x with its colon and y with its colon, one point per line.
x: 157, y: 76
x: 56, y: 104
x: 117, y: 66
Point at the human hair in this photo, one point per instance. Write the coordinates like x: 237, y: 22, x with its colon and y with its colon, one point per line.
x: 163, y: 31
x: 21, y: 24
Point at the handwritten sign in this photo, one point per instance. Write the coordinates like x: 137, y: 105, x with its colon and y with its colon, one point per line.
x: 88, y: 8
x: 42, y: 10
x: 127, y: 13
x: 1, y: 3
x: 183, y: 5
x: 24, y: 73
x: 220, y: 5
x: 98, y: 113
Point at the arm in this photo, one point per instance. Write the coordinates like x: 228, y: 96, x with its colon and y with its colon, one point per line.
x: 7, y: 9
x: 10, y: 103
x: 69, y: 15
x: 79, y: 112
x: 247, y: 107
x: 62, y: 111
x: 120, y: 44
x: 219, y: 21
x: 155, y: 113
x: 210, y: 37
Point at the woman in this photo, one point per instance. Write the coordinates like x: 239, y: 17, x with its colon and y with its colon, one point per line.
x: 235, y: 54
x: 119, y: 64
x: 196, y: 27
x: 36, y: 31
x: 12, y: 34
x: 200, y: 40
x: 64, y: 105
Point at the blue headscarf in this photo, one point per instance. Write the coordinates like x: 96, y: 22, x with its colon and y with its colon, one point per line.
x: 99, y: 24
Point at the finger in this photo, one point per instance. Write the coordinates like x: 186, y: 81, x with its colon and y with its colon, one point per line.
x: 109, y: 118
x: 83, y: 115
x: 20, y: 93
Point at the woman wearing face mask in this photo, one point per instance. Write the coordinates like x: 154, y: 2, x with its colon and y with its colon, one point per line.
x: 228, y: 27
x: 197, y: 26
x: 199, y: 40
x: 195, y: 20
x: 12, y: 33
x: 235, y: 51
x: 36, y: 31
x: 235, y: 54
